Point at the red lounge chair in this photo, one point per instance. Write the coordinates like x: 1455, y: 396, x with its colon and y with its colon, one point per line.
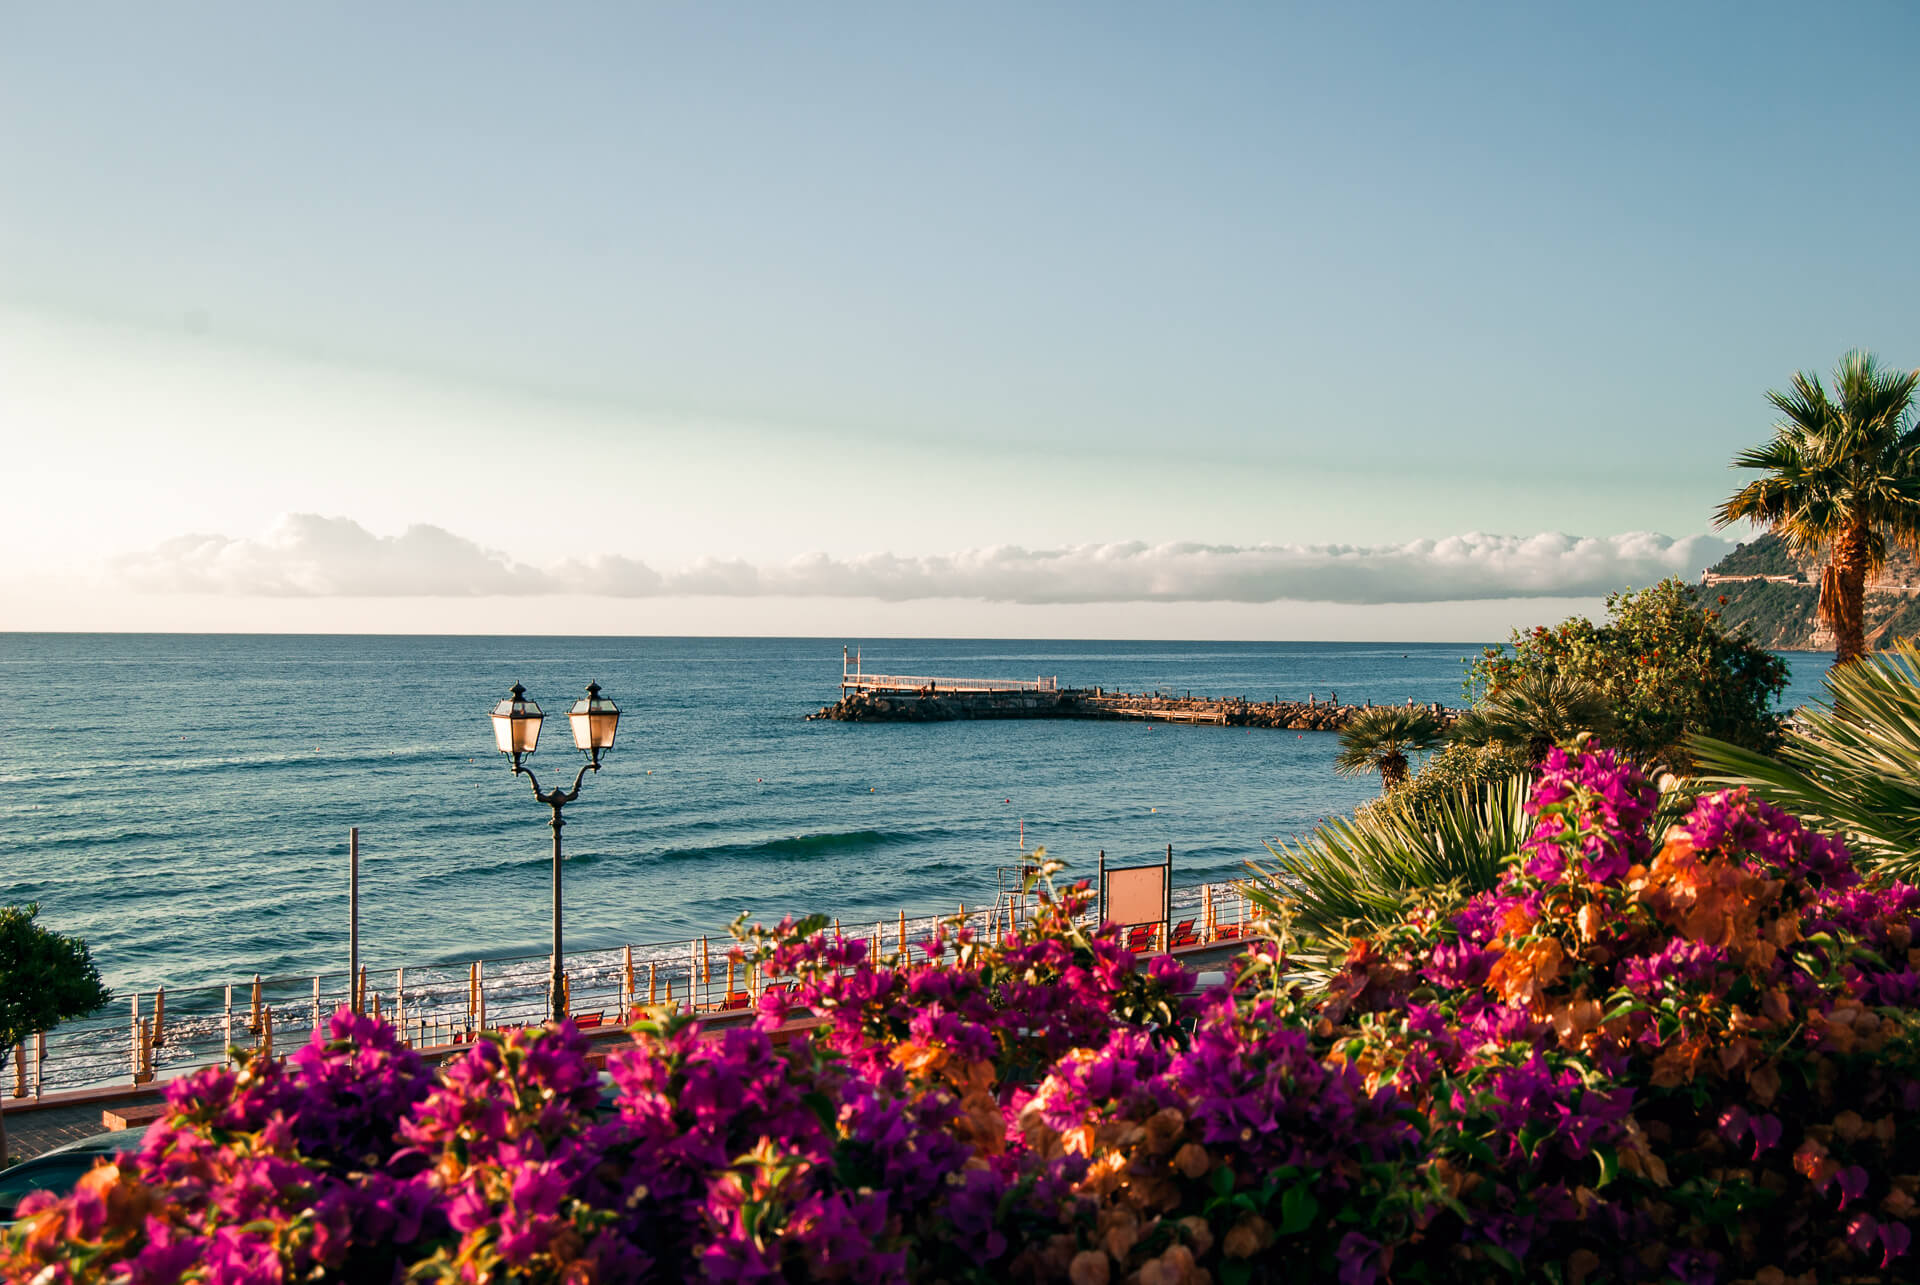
x: 1227, y: 933
x: 736, y: 1000
x: 1184, y: 935
x: 1137, y: 939
x: 585, y: 1020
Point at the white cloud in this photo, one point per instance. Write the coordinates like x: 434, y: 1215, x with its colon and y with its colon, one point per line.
x: 306, y: 555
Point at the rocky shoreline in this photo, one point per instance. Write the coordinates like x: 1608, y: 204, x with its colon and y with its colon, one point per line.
x: 1311, y: 715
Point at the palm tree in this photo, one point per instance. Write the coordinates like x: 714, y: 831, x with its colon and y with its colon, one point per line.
x: 1535, y: 712
x: 1379, y: 740
x: 1843, y: 475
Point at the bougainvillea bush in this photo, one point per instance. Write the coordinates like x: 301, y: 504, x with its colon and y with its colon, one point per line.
x: 1694, y: 1060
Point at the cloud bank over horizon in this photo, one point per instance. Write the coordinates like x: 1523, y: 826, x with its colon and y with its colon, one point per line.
x: 310, y: 556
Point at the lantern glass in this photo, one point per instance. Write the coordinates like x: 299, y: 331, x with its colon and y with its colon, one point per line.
x: 516, y: 723
x: 594, y: 720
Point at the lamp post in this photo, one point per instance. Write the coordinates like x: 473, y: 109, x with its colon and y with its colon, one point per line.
x: 516, y: 730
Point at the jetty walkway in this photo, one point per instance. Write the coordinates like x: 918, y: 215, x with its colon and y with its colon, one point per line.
x: 945, y: 700
x: 925, y: 698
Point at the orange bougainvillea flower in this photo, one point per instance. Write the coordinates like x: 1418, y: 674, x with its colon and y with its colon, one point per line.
x: 1813, y: 1163
x: 1678, y: 1062
x: 918, y: 1059
x: 981, y: 1121
x: 1717, y: 903
x: 1577, y: 1023
x: 1523, y: 976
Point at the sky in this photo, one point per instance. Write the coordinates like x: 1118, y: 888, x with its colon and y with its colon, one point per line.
x: 1265, y: 321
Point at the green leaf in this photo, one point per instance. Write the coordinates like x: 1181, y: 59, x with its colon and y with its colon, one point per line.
x: 1620, y: 1010
x: 1609, y: 1166
x: 810, y: 925
x: 1222, y: 1181
x: 1504, y: 1259
x: 1297, y: 1209
x: 822, y: 1107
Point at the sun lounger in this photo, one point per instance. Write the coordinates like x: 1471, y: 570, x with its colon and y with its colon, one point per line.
x: 1184, y: 935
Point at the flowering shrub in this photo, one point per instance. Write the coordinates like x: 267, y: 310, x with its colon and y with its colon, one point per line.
x: 1690, y: 1063
x: 1693, y: 1062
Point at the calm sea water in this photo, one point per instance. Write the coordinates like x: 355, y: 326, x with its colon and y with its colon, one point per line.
x: 182, y: 802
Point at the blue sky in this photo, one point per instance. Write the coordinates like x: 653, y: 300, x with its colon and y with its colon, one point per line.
x: 722, y: 287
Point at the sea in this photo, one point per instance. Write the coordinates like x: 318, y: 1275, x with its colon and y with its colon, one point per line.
x: 182, y: 802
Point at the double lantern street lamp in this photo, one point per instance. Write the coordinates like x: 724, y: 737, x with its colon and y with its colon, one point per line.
x: 516, y: 730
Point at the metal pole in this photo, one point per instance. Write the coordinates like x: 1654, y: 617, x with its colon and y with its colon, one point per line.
x: 1166, y: 903
x: 553, y: 980
x: 353, y: 915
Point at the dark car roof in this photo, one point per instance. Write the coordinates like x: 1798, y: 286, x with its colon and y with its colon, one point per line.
x: 56, y: 1170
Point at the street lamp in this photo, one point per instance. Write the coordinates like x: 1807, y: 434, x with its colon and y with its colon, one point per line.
x: 516, y: 730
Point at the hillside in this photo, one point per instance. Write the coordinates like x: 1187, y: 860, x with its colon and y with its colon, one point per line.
x: 1764, y: 591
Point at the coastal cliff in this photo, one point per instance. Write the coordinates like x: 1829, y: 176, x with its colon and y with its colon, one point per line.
x: 1762, y: 590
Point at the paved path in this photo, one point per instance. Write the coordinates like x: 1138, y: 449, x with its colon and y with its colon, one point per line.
x: 31, y: 1132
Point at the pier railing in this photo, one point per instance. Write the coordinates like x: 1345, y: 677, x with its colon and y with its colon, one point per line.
x: 164, y: 1033
x: 854, y: 682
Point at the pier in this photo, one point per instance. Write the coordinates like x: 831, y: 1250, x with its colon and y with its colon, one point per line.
x: 893, y: 698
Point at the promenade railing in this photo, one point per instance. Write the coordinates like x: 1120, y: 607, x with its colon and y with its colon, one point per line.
x: 159, y: 1034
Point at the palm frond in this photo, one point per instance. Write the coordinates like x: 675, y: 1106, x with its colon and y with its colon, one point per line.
x: 1355, y: 874
x: 1534, y: 712
x: 1852, y: 765
x: 1381, y: 739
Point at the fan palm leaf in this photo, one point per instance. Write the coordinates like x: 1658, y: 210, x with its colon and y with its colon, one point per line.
x: 1534, y: 712
x: 1849, y: 766
x: 1383, y: 740
x: 1355, y: 874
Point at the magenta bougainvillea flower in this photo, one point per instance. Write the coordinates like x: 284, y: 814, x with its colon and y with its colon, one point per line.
x: 1690, y: 1056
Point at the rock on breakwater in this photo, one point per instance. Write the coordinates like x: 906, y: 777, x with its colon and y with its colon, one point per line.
x: 946, y: 707
x: 1095, y: 703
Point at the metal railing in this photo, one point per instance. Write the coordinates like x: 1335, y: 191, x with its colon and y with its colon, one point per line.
x: 913, y: 683
x: 161, y: 1034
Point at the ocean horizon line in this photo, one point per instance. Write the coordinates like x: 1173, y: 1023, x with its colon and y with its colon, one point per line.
x: 769, y: 637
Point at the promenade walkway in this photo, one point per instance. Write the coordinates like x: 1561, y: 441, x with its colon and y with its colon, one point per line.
x: 36, y: 1127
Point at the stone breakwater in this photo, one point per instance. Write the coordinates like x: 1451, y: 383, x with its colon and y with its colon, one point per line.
x: 1311, y: 715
